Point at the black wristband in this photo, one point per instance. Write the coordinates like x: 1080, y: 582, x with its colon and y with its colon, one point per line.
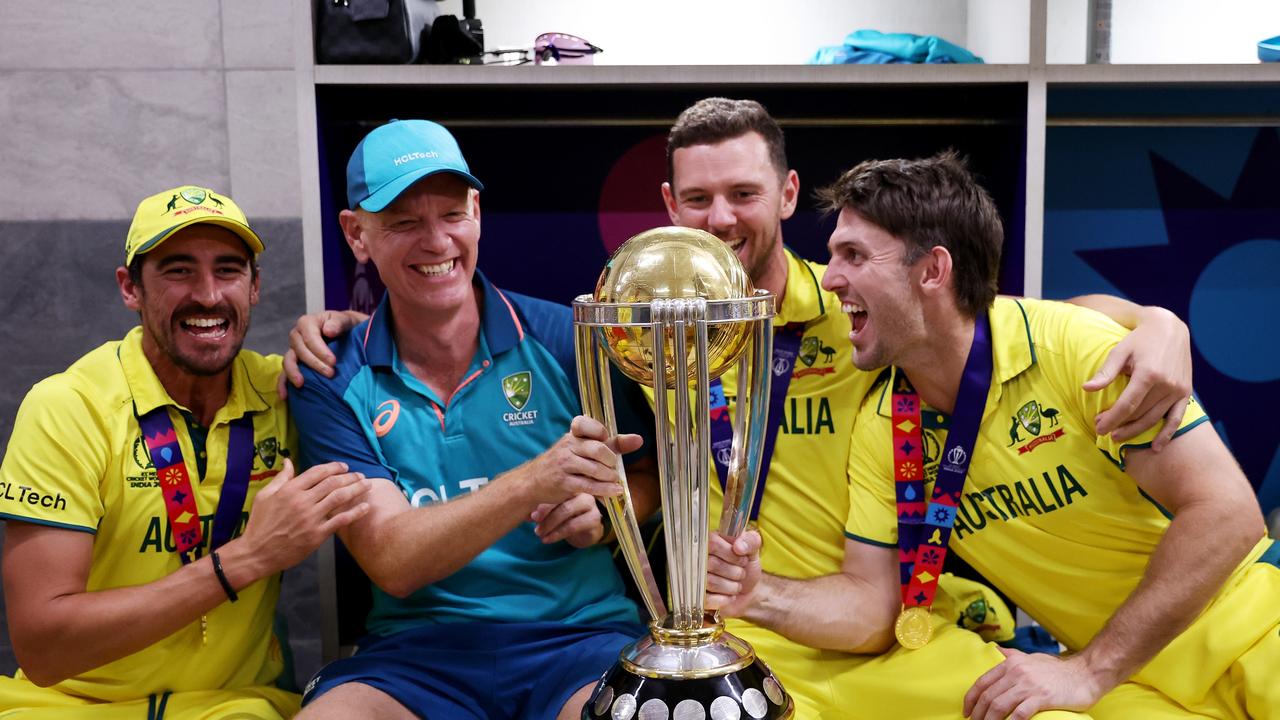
x: 222, y: 578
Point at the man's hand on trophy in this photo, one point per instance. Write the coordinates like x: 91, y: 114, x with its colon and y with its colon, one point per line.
x: 582, y: 461
x: 733, y: 573
x: 576, y: 520
x: 308, y: 344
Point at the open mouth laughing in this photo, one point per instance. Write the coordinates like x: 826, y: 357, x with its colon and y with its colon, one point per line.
x: 857, y: 318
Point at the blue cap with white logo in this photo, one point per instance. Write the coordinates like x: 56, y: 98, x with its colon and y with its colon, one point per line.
x: 396, y: 155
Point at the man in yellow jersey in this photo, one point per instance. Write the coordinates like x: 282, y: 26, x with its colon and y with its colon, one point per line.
x: 149, y: 499
x: 1152, y: 568
x: 728, y: 174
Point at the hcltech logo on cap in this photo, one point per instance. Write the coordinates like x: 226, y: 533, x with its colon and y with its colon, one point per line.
x: 393, y: 157
x: 429, y: 155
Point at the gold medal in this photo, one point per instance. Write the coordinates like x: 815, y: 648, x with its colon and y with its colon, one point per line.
x: 913, y: 628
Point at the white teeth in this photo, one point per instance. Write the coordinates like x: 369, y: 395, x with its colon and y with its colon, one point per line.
x: 435, y: 270
x: 203, y: 322
x: 849, y: 307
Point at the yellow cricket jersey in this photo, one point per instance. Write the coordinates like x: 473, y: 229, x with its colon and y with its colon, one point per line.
x: 77, y: 460
x: 1048, y: 513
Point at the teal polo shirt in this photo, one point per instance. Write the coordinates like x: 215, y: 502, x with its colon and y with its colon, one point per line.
x: 516, y: 400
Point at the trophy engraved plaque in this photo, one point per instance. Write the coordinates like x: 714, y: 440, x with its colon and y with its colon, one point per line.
x: 673, y: 310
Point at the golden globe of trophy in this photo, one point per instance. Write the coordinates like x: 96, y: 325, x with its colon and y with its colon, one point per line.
x: 673, y: 310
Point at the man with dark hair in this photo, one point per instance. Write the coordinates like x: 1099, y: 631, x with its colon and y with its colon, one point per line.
x: 728, y: 175
x: 930, y: 204
x: 149, y: 497
x: 493, y: 597
x: 1153, y: 569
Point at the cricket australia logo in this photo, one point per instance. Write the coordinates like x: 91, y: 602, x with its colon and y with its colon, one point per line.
x: 810, y: 347
x: 267, y: 451
x: 517, y: 388
x: 1029, y: 418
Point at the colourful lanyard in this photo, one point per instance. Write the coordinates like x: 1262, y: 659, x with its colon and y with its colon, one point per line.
x: 175, y: 482
x: 786, y: 346
x: 924, y: 532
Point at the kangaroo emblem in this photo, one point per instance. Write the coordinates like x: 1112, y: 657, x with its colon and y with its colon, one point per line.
x: 1013, y: 434
x: 173, y: 205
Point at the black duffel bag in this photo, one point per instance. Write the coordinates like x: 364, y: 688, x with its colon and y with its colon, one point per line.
x: 373, y: 31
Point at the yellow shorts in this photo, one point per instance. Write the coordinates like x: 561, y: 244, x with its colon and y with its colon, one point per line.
x: 22, y: 700
x: 925, y: 684
x: 1226, y: 665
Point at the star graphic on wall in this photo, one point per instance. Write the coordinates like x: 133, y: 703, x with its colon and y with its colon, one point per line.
x: 1221, y: 252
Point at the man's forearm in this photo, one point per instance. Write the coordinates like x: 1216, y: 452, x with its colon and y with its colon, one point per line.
x: 1201, y: 547
x: 78, y: 632
x: 434, y: 541
x: 816, y: 613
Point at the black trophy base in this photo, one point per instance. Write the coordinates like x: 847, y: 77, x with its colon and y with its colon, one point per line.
x: 751, y: 693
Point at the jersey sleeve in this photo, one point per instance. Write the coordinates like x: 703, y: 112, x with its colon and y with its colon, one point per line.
x: 1074, y: 345
x: 873, y: 516
x: 328, y: 429
x: 56, y: 459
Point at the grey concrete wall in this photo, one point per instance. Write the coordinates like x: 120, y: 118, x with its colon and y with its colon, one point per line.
x: 103, y: 104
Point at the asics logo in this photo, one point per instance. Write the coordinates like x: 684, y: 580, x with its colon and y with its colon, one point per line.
x: 386, y: 419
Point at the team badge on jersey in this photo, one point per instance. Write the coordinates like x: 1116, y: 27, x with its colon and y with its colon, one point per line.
x: 267, y: 451
x: 1033, y: 417
x: 517, y: 389
x: 810, y: 348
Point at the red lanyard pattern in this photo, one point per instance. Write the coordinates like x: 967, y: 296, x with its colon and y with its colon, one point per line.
x: 175, y: 481
x: 924, y: 531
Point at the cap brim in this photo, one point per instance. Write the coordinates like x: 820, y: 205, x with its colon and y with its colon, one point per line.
x: 243, y: 231
x: 385, y: 195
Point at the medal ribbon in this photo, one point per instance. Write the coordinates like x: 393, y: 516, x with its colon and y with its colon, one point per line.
x: 786, y: 347
x: 175, y: 481
x: 924, y: 531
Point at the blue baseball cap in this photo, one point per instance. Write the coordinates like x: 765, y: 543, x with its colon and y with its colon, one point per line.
x: 396, y: 155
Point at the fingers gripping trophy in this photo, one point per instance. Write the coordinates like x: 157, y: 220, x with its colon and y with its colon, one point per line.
x: 674, y: 309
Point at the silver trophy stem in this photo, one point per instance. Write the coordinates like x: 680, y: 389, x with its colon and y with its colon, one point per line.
x: 752, y: 415
x: 686, y: 483
x: 596, y: 390
x: 681, y: 542
x: 702, y: 461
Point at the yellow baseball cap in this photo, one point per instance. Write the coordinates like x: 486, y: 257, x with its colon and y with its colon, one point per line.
x: 163, y: 214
